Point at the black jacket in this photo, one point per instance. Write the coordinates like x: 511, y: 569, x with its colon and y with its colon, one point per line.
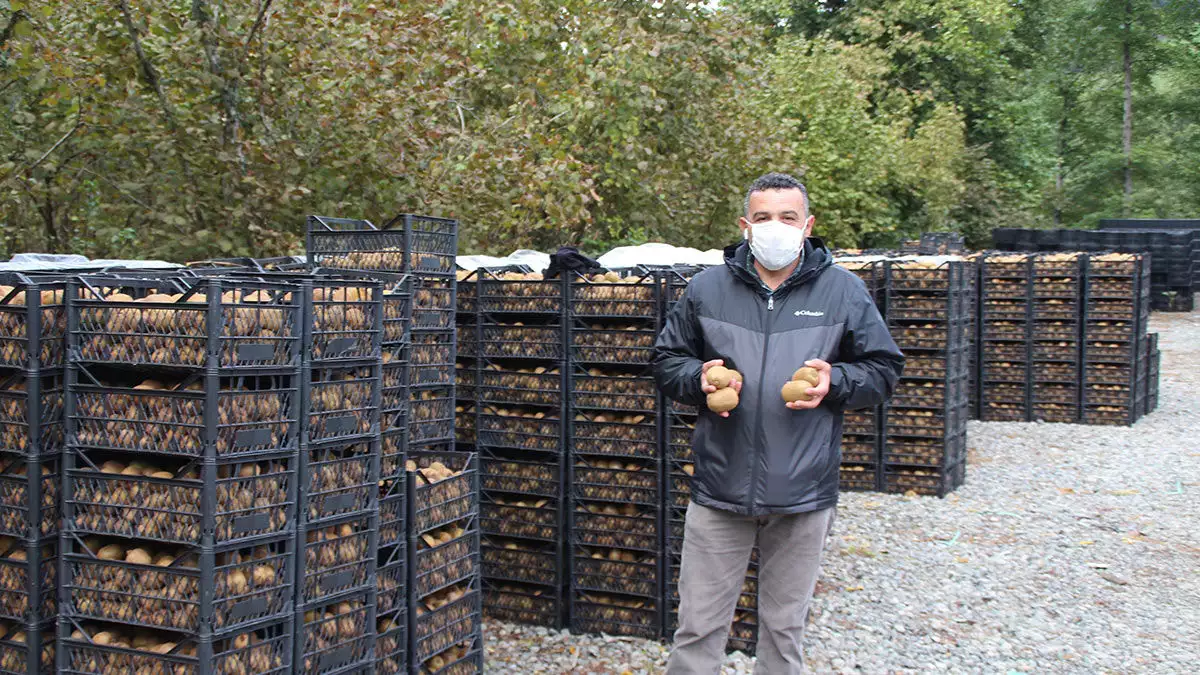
x: 766, y: 458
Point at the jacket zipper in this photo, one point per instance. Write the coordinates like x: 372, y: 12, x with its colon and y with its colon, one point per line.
x: 758, y: 414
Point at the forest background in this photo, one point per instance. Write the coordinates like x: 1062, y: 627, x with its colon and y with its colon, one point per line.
x: 182, y: 129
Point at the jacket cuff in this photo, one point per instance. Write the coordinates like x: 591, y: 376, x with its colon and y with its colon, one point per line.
x: 837, y: 385
x: 695, y: 391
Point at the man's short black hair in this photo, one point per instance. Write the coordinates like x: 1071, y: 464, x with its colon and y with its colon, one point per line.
x: 775, y: 181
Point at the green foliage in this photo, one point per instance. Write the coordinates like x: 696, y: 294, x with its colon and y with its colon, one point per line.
x: 186, y: 130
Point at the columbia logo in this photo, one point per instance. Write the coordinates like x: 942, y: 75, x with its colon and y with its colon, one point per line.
x: 805, y: 312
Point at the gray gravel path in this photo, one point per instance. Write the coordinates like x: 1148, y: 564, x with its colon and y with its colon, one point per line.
x: 1071, y: 549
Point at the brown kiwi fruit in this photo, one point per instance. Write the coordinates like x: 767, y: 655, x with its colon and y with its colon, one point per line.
x: 722, y: 400
x: 721, y: 377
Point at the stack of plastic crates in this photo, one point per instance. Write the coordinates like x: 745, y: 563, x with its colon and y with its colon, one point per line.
x: 445, y: 610
x: 614, y: 551
x: 1005, y: 329
x: 179, y: 476
x: 1057, y: 298
x: 520, y: 380
x: 926, y: 419
x: 679, y: 424
x: 466, y: 370
x: 1117, y: 311
x: 33, y: 324
x: 862, y: 430
x: 338, y: 508
x: 1153, y: 367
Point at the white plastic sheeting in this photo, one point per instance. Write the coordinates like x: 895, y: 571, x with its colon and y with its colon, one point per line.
x: 659, y: 254
x: 623, y: 256
x: 535, y: 260
x: 50, y: 262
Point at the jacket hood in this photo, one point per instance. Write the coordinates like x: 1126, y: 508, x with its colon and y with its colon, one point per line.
x: 817, y: 257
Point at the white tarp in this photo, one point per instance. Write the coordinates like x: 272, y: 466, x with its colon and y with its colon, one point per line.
x: 535, y: 260
x: 655, y: 254
x: 659, y: 254
x: 50, y: 262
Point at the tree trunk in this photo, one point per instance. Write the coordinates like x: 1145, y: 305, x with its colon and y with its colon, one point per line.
x: 1060, y: 178
x: 1127, y: 124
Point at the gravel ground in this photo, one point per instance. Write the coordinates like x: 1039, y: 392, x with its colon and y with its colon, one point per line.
x: 1071, y: 549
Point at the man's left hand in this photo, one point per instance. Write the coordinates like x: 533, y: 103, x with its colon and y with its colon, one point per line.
x: 818, y: 392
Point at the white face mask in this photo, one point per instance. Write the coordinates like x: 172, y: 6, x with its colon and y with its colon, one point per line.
x: 774, y: 244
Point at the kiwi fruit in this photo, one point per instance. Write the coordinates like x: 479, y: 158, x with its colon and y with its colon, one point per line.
x: 722, y: 400
x: 807, y: 374
x: 721, y: 377
x: 802, y: 380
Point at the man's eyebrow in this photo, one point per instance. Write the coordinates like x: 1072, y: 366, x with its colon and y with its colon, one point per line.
x: 790, y: 212
x: 757, y: 214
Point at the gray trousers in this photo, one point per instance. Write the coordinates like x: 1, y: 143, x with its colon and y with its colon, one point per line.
x: 716, y: 552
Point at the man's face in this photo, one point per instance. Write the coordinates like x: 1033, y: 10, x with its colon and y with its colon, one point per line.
x: 786, y: 206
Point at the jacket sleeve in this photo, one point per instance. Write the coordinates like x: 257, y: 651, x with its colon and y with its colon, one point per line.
x: 869, y: 362
x: 676, y: 362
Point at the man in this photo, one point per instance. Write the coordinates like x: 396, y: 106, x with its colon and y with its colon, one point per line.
x: 766, y: 473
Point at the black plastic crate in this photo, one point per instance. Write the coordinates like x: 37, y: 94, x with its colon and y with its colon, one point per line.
x: 520, y: 475
x: 616, y: 294
x: 611, y: 525
x: 675, y: 281
x: 342, y: 403
x: 432, y: 359
x: 616, y: 344
x: 338, y: 479
x: 442, y: 488
x: 523, y: 428
x: 29, y: 496
x: 456, y: 620
x: 343, y: 310
x: 185, y: 322
x: 28, y: 580
x: 406, y: 243
x: 858, y: 477
x: 264, y: 649
x: 615, y: 434
x: 625, y: 572
x: 615, y: 480
x: 937, y: 452
x: 336, y: 636
x: 1055, y: 330
x: 465, y: 658
x: 934, y: 482
x: 391, y: 577
x: 31, y: 412
x: 522, y: 603
x: 393, y: 449
x: 515, y: 515
x: 394, y: 393
x: 163, y: 502
x: 33, y: 322
x: 931, y: 337
x: 336, y: 558
x: 26, y: 648
x: 517, y: 385
x: 519, y: 291
x: 518, y: 560
x: 391, y: 643
x: 679, y: 431
x: 613, y: 614
x: 907, y: 276
x: 190, y: 589
x: 433, y: 303
x: 936, y: 365
x: 516, y: 340
x: 235, y: 416
x: 444, y: 557
x: 613, y: 390
x: 431, y: 415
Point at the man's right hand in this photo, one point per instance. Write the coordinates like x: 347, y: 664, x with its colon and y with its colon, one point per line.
x: 708, y: 388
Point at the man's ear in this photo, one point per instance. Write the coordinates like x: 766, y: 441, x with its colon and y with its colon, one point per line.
x: 808, y: 225
x: 745, y: 227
